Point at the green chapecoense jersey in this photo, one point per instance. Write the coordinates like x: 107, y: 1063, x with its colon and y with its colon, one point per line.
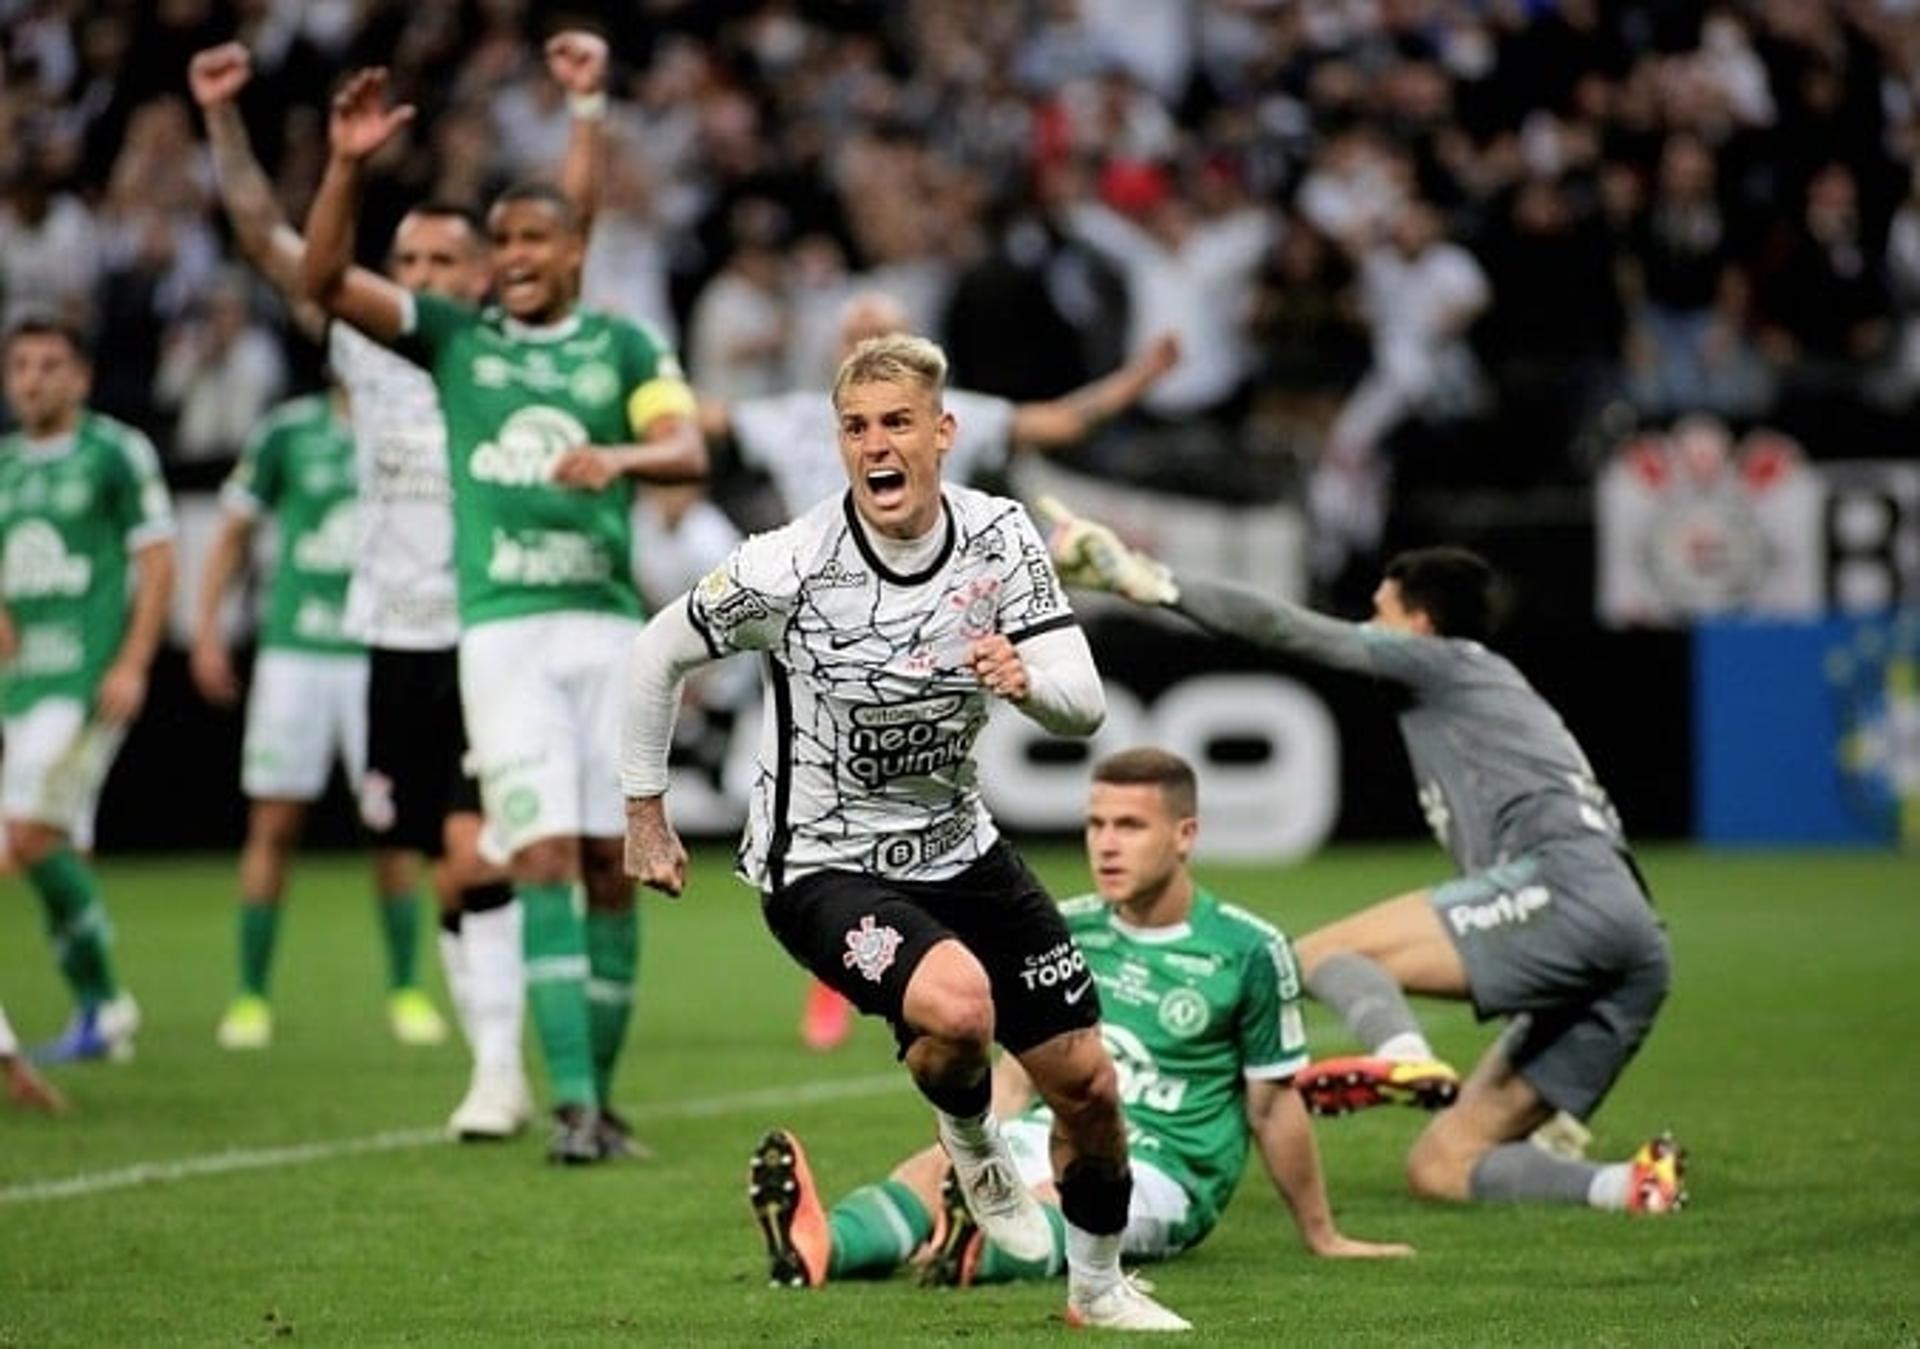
x: 1188, y: 1013
x: 515, y: 399
x: 73, y: 510
x: 298, y: 468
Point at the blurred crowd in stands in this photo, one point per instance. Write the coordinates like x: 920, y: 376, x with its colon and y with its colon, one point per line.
x: 1458, y: 234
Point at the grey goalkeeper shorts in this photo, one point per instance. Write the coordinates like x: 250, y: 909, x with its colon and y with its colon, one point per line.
x: 1565, y: 941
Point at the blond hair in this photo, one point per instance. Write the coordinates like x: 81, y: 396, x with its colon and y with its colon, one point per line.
x: 897, y: 358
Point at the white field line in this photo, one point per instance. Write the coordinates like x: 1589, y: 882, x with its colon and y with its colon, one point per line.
x: 394, y: 1140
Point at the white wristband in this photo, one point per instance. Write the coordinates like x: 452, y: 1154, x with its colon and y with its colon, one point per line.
x: 588, y: 107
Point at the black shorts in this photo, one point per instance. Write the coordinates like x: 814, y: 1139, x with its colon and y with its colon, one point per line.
x: 416, y: 743
x: 865, y: 935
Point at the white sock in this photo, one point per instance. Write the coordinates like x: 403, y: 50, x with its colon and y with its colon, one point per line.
x: 974, y: 1135
x: 1093, y: 1263
x: 453, y: 964
x: 496, y: 985
x: 1609, y: 1187
x: 1406, y: 1047
x: 8, y: 1045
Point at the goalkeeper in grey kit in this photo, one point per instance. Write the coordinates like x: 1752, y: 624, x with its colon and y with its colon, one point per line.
x: 1548, y: 923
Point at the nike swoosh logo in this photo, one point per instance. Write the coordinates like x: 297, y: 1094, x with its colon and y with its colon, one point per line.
x: 1074, y: 995
x: 841, y: 641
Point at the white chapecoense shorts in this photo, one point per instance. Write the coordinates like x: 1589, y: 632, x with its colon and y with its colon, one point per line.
x: 57, y: 756
x: 305, y: 710
x: 542, y: 696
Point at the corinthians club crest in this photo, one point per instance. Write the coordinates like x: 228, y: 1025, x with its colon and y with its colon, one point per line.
x: 870, y: 948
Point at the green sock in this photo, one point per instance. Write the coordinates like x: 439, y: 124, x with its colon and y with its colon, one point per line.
x: 996, y: 1266
x: 259, y: 925
x: 400, y: 926
x: 554, y: 940
x: 77, y: 923
x: 875, y: 1229
x: 613, y: 955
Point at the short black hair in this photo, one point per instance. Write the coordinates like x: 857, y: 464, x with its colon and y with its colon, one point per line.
x: 43, y: 325
x: 444, y: 208
x: 1454, y: 587
x: 544, y: 193
x: 1149, y: 766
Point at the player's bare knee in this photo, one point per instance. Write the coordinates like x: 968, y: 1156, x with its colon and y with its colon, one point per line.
x: 1310, y: 950
x: 547, y: 861
x: 956, y: 1017
x: 950, y: 998
x: 921, y: 1173
x: 274, y: 827
x: 394, y: 870
x: 31, y: 842
x: 604, y: 873
x: 1439, y: 1167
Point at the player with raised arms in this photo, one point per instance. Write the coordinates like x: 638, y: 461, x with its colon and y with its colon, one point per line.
x: 551, y: 413
x: 416, y: 792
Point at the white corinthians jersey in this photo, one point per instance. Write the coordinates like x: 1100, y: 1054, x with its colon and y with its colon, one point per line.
x: 401, y: 595
x: 871, y: 711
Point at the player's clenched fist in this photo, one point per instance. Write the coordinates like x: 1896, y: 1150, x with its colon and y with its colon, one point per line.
x: 218, y: 74
x: 655, y: 856
x: 577, y: 60
x: 996, y: 663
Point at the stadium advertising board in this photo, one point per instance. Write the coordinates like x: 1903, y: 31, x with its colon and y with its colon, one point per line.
x: 1691, y: 525
x: 1808, y: 732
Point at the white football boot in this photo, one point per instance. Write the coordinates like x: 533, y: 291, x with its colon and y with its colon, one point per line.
x: 1121, y: 1305
x: 1005, y: 1209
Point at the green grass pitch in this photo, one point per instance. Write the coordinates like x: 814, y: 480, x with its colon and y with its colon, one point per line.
x: 1785, y: 1060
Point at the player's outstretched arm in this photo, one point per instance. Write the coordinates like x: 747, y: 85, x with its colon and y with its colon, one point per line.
x: 577, y: 60
x: 664, y: 653
x: 1071, y: 418
x: 1091, y: 556
x: 266, y: 239
x: 216, y: 76
x: 1284, y: 1135
x: 358, y: 123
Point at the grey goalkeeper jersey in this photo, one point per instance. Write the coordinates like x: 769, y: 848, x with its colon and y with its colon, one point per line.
x: 1498, y: 773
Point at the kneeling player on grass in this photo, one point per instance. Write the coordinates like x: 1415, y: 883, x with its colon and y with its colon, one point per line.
x: 1549, y: 922
x: 1200, y: 1012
